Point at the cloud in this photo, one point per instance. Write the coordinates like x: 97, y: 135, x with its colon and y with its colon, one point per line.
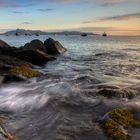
x: 29, y: 3
x: 122, y: 17
x: 112, y: 2
x: 116, y: 18
x: 25, y: 22
x: 45, y: 10
x: 99, y: 2
x: 86, y: 22
x: 18, y: 12
x: 9, y: 4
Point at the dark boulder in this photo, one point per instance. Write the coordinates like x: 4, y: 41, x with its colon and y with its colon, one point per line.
x: 13, y: 78
x: 35, y: 45
x: 7, y: 62
x: 53, y: 47
x: 35, y: 57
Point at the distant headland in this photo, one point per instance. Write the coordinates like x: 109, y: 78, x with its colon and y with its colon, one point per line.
x: 39, y: 32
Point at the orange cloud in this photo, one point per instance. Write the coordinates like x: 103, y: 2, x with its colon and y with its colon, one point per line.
x: 122, y: 17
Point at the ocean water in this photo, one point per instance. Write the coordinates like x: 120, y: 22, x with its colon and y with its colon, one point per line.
x: 64, y: 104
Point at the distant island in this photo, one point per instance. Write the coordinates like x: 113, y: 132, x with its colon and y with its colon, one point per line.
x: 39, y: 32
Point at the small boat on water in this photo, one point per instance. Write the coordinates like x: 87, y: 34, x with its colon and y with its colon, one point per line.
x: 84, y: 34
x: 104, y: 34
x: 29, y: 34
x: 17, y: 34
x: 37, y: 34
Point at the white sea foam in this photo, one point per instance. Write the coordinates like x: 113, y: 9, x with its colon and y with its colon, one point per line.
x: 17, y: 99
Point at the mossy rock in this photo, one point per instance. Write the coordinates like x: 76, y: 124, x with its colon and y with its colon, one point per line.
x: 113, y: 130
x: 117, y: 122
x: 123, y: 117
x: 25, y: 71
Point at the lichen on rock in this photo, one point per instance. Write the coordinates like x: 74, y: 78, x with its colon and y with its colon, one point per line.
x: 113, y: 130
x: 117, y: 122
x: 25, y: 71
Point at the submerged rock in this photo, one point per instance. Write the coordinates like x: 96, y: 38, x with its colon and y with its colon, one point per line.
x: 54, y: 47
x: 116, y: 92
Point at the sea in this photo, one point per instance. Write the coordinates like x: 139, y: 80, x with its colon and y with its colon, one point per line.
x: 64, y: 103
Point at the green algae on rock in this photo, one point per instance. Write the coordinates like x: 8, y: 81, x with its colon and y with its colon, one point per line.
x: 117, y: 122
x: 25, y: 71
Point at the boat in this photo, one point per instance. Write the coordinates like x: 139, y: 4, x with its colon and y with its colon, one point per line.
x: 17, y: 34
x: 29, y: 34
x: 37, y: 34
x: 84, y: 34
x: 104, y: 34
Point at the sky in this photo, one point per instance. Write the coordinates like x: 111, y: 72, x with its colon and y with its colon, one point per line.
x: 116, y: 17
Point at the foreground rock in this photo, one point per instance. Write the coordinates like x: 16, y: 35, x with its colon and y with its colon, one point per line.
x: 18, y: 61
x: 6, y: 62
x: 34, y: 52
x: 35, y: 57
x: 53, y: 47
x: 25, y: 71
x: 116, y: 92
x: 116, y: 122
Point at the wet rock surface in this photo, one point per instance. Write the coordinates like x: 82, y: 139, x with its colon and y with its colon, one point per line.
x: 53, y: 47
x: 35, y: 45
x: 116, y: 122
x: 116, y: 92
x: 13, y: 78
x: 33, y: 56
x: 32, y: 53
x: 65, y: 105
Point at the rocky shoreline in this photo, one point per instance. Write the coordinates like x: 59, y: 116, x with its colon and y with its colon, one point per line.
x: 39, y: 112
x: 17, y: 64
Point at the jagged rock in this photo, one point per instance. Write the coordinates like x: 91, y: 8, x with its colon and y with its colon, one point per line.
x: 53, y: 47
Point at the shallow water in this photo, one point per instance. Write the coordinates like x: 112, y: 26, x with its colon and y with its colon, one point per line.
x: 63, y: 104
